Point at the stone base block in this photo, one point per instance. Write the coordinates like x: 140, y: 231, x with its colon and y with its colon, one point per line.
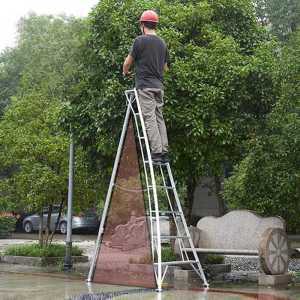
x: 218, y: 269
x: 274, y: 280
x: 185, y: 278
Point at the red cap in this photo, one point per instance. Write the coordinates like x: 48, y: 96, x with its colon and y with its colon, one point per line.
x: 149, y: 16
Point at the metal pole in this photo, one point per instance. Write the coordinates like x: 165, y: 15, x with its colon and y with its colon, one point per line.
x: 68, y: 257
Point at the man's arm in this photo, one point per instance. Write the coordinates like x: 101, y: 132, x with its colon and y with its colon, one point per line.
x: 127, y: 64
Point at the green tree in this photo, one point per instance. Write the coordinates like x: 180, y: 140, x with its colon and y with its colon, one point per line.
x: 268, y: 179
x: 33, y: 145
x: 282, y: 17
x: 218, y: 91
x: 10, y: 73
x: 32, y: 141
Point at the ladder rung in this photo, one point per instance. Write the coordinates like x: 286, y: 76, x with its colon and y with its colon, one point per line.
x: 156, y: 163
x: 163, y: 237
x: 166, y: 187
x: 160, y: 163
x: 162, y: 186
x: 168, y: 212
x: 179, y: 262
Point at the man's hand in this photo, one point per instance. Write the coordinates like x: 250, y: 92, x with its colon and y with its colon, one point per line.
x: 127, y: 64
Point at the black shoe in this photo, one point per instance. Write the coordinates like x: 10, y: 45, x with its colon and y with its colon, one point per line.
x: 156, y: 158
x: 165, y: 158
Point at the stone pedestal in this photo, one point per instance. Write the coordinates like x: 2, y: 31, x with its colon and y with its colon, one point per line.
x: 184, y: 279
x: 274, y: 280
x: 218, y: 269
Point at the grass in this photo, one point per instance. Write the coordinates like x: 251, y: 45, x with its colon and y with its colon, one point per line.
x: 167, y: 254
x: 34, y: 250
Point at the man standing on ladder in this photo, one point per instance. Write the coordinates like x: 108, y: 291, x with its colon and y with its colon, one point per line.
x: 149, y: 54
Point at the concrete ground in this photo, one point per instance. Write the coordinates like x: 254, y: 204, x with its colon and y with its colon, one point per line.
x: 28, y: 284
x: 23, y: 282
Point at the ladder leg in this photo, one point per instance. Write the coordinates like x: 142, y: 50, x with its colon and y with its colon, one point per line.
x: 154, y: 191
x: 108, y: 196
x: 131, y: 99
x: 185, y: 226
x: 132, y: 96
x: 165, y: 183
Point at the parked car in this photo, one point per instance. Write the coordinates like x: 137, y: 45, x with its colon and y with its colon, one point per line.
x: 88, y: 221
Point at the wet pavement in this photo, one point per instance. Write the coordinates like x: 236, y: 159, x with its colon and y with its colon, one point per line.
x: 29, y: 283
x: 15, y: 286
x: 23, y: 282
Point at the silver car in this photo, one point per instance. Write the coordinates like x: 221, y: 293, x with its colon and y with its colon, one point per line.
x: 85, y: 221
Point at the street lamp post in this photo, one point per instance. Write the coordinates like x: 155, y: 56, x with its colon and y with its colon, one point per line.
x: 68, y: 256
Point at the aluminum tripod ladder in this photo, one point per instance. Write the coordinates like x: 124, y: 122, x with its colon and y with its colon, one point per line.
x: 159, y: 189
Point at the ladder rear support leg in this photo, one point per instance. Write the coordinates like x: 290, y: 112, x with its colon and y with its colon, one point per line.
x: 185, y: 226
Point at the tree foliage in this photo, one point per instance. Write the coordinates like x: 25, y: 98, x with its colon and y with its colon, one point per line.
x: 281, y: 16
x: 10, y: 72
x: 218, y: 91
x: 33, y: 145
x: 268, y: 179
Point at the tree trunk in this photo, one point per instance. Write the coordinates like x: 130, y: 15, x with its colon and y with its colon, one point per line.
x: 47, y: 231
x: 41, y: 238
x: 61, y: 206
x: 191, y: 185
x: 218, y: 190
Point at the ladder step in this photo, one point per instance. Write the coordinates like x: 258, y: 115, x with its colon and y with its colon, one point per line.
x: 160, y: 163
x: 163, y: 237
x: 168, y: 212
x: 163, y: 187
x: 156, y: 163
x: 179, y: 262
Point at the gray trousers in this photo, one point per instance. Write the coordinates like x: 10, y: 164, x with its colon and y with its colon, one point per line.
x: 151, y: 101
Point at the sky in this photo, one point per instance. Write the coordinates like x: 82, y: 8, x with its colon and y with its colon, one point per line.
x: 12, y: 10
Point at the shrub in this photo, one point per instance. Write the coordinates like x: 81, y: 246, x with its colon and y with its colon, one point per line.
x: 7, y: 226
x: 213, y: 259
x: 167, y: 254
x: 35, y: 250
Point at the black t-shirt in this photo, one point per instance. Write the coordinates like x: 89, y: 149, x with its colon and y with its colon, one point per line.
x: 150, y: 54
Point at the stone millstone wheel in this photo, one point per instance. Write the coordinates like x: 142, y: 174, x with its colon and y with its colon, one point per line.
x: 274, y: 251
